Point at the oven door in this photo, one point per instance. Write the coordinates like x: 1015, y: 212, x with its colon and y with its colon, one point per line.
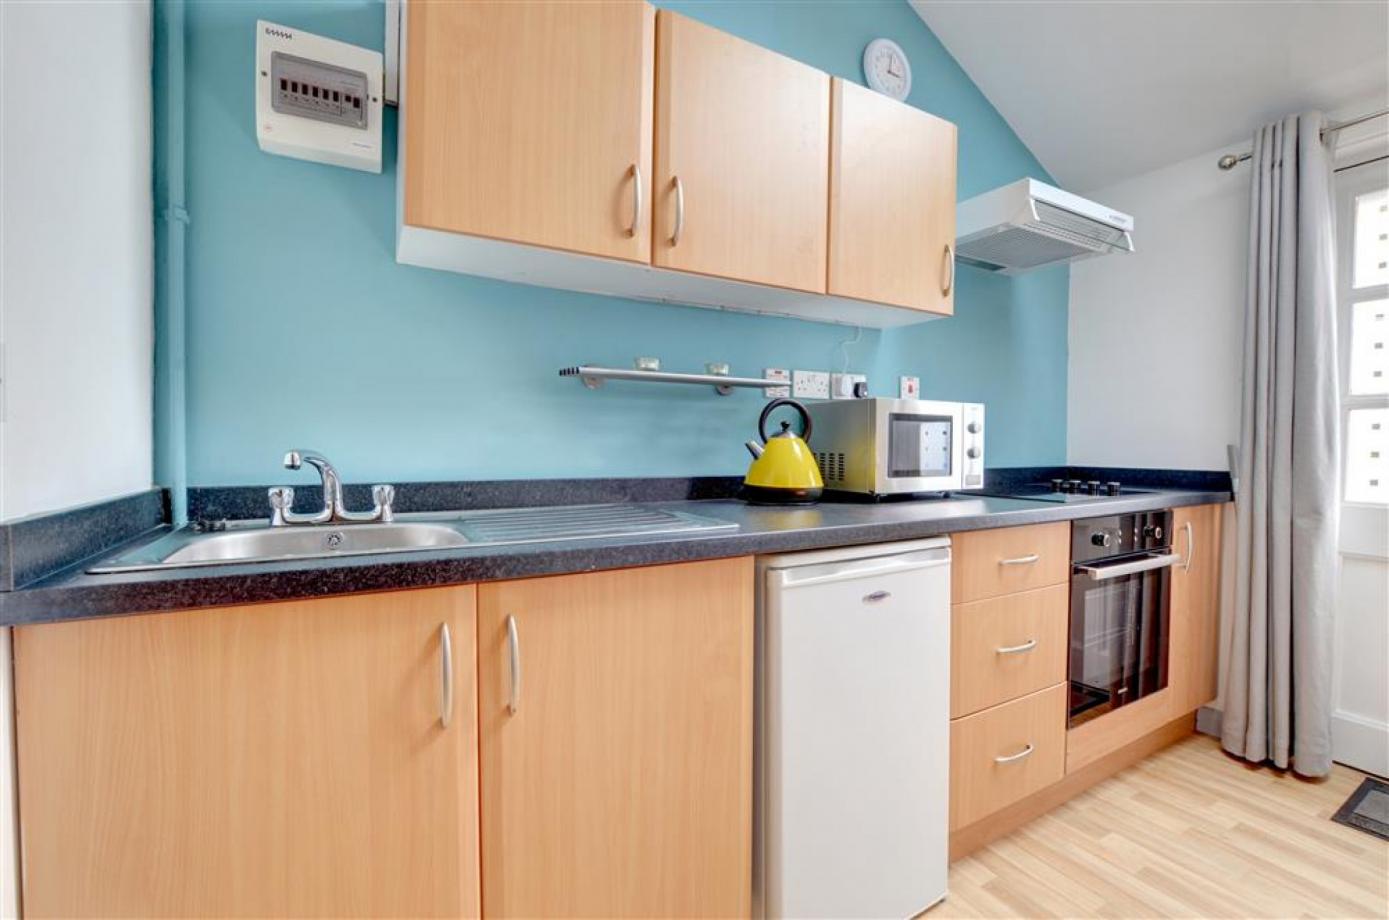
x: 917, y: 446
x: 1119, y: 632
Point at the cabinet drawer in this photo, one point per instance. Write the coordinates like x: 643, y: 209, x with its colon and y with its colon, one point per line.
x: 1006, y: 647
x: 986, y: 771
x: 988, y: 563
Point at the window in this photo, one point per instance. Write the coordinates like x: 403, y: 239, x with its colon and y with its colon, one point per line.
x: 1363, y: 300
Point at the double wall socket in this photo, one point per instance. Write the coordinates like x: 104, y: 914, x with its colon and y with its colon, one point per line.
x: 810, y: 384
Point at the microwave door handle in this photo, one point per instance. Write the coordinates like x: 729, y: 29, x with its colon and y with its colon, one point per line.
x: 1120, y: 569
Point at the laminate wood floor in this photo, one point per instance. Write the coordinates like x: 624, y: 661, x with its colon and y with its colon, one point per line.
x: 1189, y: 832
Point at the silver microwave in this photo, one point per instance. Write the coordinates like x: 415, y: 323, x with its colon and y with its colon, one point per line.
x: 898, y: 446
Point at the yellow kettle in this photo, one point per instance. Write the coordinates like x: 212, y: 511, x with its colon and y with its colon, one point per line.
x: 783, y: 470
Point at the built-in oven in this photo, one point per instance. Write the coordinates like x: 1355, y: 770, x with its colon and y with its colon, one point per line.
x: 1121, y: 571
x: 881, y: 447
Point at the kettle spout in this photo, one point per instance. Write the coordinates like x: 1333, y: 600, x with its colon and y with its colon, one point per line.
x: 753, y: 448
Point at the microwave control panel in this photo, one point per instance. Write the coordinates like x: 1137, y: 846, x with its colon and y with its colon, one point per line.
x: 972, y: 446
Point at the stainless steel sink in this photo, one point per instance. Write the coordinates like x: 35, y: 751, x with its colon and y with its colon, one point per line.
x: 256, y: 541
x: 292, y: 542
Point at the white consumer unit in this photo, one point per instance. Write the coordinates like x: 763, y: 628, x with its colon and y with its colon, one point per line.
x: 317, y: 99
x: 1029, y: 224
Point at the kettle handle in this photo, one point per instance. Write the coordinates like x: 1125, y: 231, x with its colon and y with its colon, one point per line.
x: 767, y: 411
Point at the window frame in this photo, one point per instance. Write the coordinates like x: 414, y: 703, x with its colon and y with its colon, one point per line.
x: 1363, y: 524
x: 1349, y: 184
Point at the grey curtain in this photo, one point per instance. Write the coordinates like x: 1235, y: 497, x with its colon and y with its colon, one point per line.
x: 1278, y: 671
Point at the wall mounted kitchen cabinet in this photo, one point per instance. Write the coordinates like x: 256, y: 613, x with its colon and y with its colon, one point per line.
x: 892, y: 202
x: 285, y: 759
x: 742, y: 159
x: 532, y: 123
x: 641, y: 154
x: 616, y: 726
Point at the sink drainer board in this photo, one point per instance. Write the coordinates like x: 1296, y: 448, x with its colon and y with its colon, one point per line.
x: 253, y: 541
x: 592, y: 521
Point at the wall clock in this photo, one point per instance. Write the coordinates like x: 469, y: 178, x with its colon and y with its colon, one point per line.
x: 886, y: 68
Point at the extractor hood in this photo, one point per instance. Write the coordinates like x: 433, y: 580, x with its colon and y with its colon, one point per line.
x: 1029, y: 224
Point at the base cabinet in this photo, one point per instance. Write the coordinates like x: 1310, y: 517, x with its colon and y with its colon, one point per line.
x: 283, y: 759
x: 616, y: 742
x: 1195, y: 621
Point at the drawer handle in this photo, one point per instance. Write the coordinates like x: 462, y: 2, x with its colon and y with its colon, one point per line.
x: 1014, y: 758
x: 1021, y: 560
x: 876, y: 596
x: 1027, y: 646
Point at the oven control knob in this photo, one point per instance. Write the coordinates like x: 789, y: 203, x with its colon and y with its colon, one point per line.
x: 1100, y: 539
x: 973, y: 428
x: 972, y: 453
x: 1153, y: 531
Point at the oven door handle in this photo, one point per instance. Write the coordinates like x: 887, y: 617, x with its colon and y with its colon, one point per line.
x: 1120, y: 569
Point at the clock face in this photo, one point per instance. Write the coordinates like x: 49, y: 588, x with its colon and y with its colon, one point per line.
x: 886, y: 69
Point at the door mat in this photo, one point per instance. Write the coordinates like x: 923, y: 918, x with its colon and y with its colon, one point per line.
x: 1367, y: 809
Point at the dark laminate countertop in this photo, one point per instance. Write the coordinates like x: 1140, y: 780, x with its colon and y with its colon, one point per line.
x: 73, y: 594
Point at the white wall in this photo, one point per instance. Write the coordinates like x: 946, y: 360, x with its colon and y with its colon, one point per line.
x: 76, y: 253
x: 76, y: 280
x: 1156, y: 337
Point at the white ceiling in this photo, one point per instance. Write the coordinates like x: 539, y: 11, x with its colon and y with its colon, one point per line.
x: 1100, y: 91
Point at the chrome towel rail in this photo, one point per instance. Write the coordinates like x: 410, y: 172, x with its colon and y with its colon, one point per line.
x: 593, y: 377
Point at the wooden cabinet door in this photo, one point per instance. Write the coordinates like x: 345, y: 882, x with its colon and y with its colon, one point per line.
x: 892, y: 201
x: 1195, y: 628
x: 742, y: 135
x: 273, y: 760
x: 531, y: 122
x: 616, y: 723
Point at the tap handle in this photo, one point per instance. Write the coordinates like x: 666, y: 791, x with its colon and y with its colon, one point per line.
x: 281, y: 499
x: 383, y: 496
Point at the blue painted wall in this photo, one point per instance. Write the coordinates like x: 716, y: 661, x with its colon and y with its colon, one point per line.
x: 301, y: 329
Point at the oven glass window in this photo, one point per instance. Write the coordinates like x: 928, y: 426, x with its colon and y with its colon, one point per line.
x: 1118, y: 641
x: 918, y: 445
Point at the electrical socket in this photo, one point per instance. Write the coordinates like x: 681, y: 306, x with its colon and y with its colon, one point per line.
x: 777, y: 373
x: 908, y: 388
x: 842, y: 385
x: 810, y: 384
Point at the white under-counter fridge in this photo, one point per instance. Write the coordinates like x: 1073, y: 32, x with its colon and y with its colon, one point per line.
x: 851, y: 802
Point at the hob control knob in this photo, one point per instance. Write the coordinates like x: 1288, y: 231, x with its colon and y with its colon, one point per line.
x: 1092, y: 487
x: 1100, y: 539
x: 1112, y: 488
x: 1058, y: 485
x: 972, y: 453
x: 973, y: 428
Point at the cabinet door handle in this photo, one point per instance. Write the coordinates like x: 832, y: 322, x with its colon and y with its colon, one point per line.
x: 876, y: 596
x: 1027, y: 646
x: 636, y: 200
x: 1190, y: 546
x: 513, y: 641
x: 1014, y: 758
x: 948, y: 270
x: 446, y: 676
x: 1021, y: 560
x: 679, y: 212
